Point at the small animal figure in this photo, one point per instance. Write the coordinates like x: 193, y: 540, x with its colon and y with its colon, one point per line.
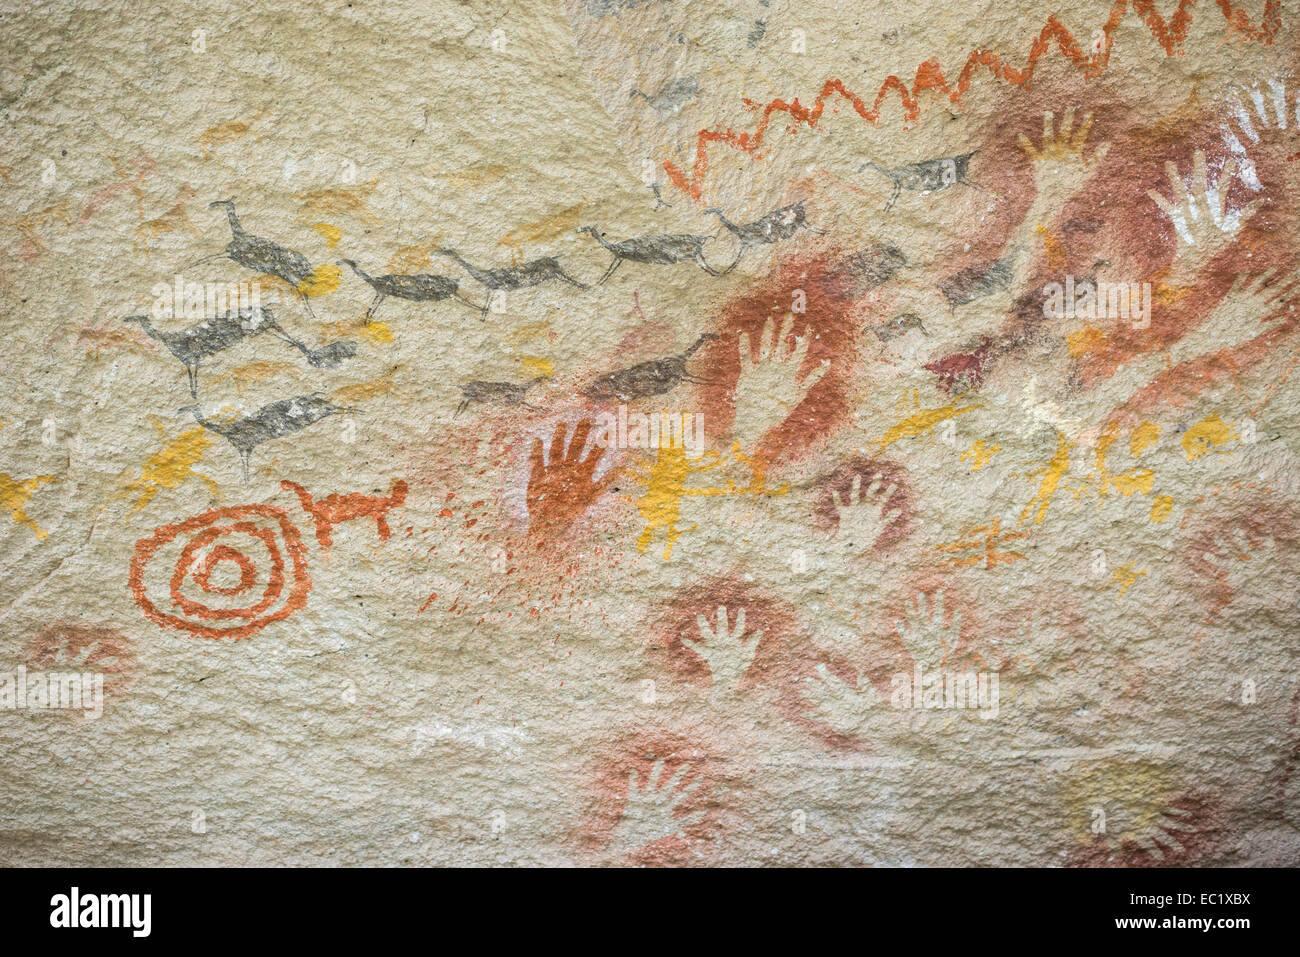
x: 775, y: 226
x: 654, y: 377
x: 927, y: 176
x: 961, y: 371
x: 662, y: 250
x: 899, y: 325
x: 211, y: 336
x: 336, y: 509
x: 513, y: 277
x: 672, y: 96
x: 273, y: 421
x: 496, y: 393
x: 976, y: 282
x: 263, y: 255
x: 424, y: 287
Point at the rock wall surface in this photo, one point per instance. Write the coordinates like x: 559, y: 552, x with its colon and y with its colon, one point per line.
x: 638, y: 432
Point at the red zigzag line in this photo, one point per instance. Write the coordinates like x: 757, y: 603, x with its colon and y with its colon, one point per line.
x: 929, y: 75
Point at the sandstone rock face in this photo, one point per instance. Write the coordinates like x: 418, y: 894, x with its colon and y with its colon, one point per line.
x: 639, y: 432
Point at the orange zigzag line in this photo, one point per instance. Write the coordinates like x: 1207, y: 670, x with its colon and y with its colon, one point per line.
x: 930, y: 76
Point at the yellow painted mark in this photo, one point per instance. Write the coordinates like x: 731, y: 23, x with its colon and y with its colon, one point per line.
x: 383, y: 385
x: 660, y: 507
x: 1161, y: 506
x: 415, y: 257
x: 1056, y: 256
x: 1126, y: 577
x: 340, y: 201
x: 332, y: 234
x: 1130, y: 483
x: 376, y: 332
x: 923, y: 423
x: 14, y: 494
x: 170, y: 466
x: 245, y: 375
x: 537, y: 365
x: 1210, y: 432
x: 323, y: 281
x: 1052, y: 475
x: 543, y: 230
x: 480, y: 174
x: 528, y: 332
x: 980, y: 545
x: 227, y: 132
x: 666, y: 479
x: 979, y: 454
x: 1144, y: 436
x: 1084, y: 341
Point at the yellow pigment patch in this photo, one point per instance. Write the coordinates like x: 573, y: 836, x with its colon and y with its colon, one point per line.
x: 1210, y: 432
x: 376, y: 332
x: 332, y: 234
x: 1161, y: 506
x: 323, y: 281
x: 1052, y: 475
x: 537, y: 365
x: 979, y: 454
x: 1084, y: 341
x: 14, y: 494
x: 1126, y: 577
x: 1143, y: 437
x: 922, y: 423
x: 170, y: 467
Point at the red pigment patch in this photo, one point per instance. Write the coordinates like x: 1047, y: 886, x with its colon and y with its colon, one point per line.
x: 832, y: 493
x: 1200, y: 823
x: 80, y: 646
x: 1218, y: 543
x: 961, y: 371
x: 691, y: 786
x: 676, y: 633
x: 830, y: 292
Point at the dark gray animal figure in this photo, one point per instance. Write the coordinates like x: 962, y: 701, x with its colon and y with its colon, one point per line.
x: 273, y: 421
x: 662, y: 250
x: 672, y: 96
x: 870, y: 268
x: 496, y: 393
x: 514, y: 277
x: 926, y: 176
x: 775, y: 226
x: 211, y: 336
x: 654, y: 377
x: 424, y: 287
x: 327, y: 356
x: 900, y: 324
x: 263, y: 255
x: 977, y: 281
x: 659, y: 200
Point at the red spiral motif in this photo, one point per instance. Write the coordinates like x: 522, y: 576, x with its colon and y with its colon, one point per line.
x: 212, y: 541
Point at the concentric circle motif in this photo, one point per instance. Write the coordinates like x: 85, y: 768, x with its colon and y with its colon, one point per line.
x: 227, y: 577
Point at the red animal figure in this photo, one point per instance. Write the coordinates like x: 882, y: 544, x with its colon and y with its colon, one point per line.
x: 335, y: 509
x: 961, y: 371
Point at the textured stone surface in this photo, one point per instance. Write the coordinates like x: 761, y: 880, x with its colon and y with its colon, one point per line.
x: 478, y: 648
